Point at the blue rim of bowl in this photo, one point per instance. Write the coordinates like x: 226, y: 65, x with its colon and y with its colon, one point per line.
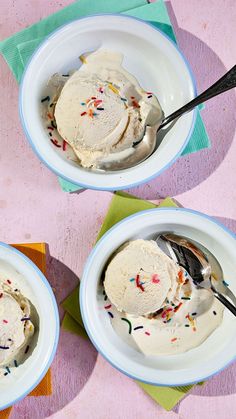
x: 56, y: 316
x: 81, y: 291
x: 103, y: 188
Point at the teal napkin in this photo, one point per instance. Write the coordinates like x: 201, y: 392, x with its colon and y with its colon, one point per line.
x: 18, y: 48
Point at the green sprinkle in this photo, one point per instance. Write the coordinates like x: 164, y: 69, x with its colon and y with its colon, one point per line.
x: 132, y: 280
x: 129, y: 323
x: 124, y: 99
x: 185, y: 298
x: 83, y: 103
x: 225, y: 283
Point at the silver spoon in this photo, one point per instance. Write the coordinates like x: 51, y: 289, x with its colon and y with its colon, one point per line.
x: 200, y: 263
x: 149, y: 143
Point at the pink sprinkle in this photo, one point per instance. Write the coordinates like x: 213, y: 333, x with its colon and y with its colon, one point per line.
x: 5, y: 321
x: 8, y: 280
x: 164, y: 314
x: 107, y: 307
x: 155, y: 279
x: 147, y: 333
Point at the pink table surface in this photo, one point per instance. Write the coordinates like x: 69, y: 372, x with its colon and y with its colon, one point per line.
x: 33, y: 208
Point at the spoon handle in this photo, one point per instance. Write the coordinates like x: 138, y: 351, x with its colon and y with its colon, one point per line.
x: 224, y: 300
x: 228, y: 81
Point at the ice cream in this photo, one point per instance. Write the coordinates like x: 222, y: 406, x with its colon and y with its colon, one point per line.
x: 16, y: 328
x: 140, y: 278
x: 101, y: 111
x: 153, y: 304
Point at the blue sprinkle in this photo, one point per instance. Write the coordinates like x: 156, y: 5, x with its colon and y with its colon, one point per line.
x: 83, y: 103
x: 138, y: 327
x: 110, y: 314
x: 5, y: 373
x: 124, y: 99
x: 15, y: 363
x: 8, y: 370
x: 132, y: 280
x: 225, y: 283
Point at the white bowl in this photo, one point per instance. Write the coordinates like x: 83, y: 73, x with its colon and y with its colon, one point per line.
x: 196, y: 365
x: 149, y: 55
x: 32, y: 283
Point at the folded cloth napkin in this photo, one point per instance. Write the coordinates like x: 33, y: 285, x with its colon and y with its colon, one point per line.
x: 37, y: 253
x: 123, y: 205
x: 18, y: 48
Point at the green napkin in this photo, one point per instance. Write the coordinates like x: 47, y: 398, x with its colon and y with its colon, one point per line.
x: 18, y: 48
x: 123, y: 205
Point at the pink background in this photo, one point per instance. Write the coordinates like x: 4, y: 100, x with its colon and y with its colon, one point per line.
x: 33, y: 208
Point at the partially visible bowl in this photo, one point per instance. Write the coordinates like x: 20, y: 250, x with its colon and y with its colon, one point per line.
x: 33, y: 284
x: 149, y: 55
x: 196, y: 365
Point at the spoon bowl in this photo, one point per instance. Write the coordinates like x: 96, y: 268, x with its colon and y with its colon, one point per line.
x: 200, y: 263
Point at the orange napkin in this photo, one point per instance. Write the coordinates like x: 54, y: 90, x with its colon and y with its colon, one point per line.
x: 37, y: 253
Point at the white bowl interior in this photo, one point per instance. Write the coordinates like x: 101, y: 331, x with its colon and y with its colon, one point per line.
x: 34, y: 286
x: 148, y: 55
x: 192, y: 366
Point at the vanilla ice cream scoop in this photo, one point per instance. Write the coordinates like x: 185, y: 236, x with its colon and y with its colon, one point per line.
x: 101, y: 109
x: 140, y: 278
x: 15, y: 324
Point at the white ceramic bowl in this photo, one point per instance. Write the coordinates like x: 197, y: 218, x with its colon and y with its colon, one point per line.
x: 32, y: 283
x: 198, y: 364
x: 149, y: 55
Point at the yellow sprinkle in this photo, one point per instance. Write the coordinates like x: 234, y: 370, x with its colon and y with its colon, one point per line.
x: 214, y: 276
x: 83, y: 59
x: 113, y: 88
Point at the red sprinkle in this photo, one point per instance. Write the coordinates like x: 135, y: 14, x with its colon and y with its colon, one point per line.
x: 5, y: 321
x: 83, y: 113
x: 64, y: 145
x: 1, y: 295
x: 107, y: 307
x: 138, y: 283
x: 147, y: 333
x: 93, y: 97
x: 49, y: 116
x: 132, y: 97
x: 8, y: 280
x: 149, y: 93
x: 155, y: 279
x: 173, y: 340
x: 51, y: 128
x: 177, y: 308
x: 194, y: 329
x: 55, y: 142
x: 135, y: 104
